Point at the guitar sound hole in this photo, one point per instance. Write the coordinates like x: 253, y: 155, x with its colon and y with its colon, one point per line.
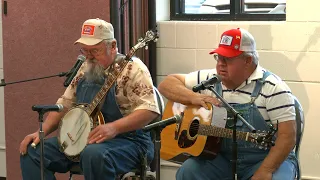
x: 194, y: 127
x: 184, y: 141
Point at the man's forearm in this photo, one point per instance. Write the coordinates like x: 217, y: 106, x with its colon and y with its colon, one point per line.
x: 283, y: 146
x: 174, y: 90
x: 52, y: 122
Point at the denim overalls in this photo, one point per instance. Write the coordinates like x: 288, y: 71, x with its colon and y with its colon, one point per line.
x: 98, y: 161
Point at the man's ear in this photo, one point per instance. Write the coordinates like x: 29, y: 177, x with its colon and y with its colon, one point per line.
x: 249, y: 60
x: 114, y: 45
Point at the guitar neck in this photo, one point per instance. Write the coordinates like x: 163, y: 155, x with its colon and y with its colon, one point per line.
x: 208, y: 130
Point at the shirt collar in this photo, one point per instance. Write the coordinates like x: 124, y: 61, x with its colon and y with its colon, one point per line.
x: 257, y: 74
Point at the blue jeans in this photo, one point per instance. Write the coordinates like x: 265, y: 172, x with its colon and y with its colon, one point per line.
x: 220, y: 168
x: 98, y: 161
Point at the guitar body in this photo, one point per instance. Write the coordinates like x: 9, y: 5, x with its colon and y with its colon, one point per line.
x: 181, y: 140
x: 74, y: 129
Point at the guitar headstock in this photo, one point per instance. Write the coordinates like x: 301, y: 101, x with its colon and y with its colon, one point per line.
x: 264, y: 139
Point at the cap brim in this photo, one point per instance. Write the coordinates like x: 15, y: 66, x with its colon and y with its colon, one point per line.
x: 88, y: 41
x: 226, y: 52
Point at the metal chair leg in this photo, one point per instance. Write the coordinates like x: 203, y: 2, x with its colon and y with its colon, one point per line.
x: 144, y: 166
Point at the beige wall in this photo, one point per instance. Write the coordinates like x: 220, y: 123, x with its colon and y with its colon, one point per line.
x: 290, y: 49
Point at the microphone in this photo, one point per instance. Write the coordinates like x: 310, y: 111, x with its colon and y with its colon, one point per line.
x: 46, y: 108
x: 74, y: 70
x: 163, y: 123
x: 204, y: 84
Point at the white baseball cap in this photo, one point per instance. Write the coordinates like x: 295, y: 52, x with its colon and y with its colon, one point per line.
x: 94, y: 31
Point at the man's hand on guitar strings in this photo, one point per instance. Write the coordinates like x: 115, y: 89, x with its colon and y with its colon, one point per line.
x: 202, y: 99
x: 102, y: 133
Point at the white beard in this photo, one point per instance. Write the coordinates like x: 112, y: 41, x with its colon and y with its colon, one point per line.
x: 94, y: 71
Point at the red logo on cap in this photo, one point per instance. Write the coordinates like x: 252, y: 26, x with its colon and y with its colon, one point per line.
x: 88, y: 30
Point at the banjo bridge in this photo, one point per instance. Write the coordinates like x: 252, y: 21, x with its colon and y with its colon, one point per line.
x: 70, y: 137
x: 63, y: 146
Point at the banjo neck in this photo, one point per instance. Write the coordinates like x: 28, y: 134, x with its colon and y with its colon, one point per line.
x: 117, y: 69
x: 112, y: 77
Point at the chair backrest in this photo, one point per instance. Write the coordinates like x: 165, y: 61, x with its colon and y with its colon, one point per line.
x: 300, y: 128
x: 161, y: 108
x: 160, y: 104
x: 153, y: 165
x: 300, y: 124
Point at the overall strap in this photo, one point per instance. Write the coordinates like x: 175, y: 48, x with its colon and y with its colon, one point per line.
x: 259, y: 83
x: 218, y: 88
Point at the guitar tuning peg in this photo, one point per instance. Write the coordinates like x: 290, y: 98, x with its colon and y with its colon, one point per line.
x: 155, y: 40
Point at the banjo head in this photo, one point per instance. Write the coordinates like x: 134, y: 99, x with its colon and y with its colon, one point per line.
x: 74, y: 130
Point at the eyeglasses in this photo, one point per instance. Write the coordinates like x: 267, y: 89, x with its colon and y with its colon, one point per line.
x: 218, y: 57
x: 93, y: 52
x: 224, y: 59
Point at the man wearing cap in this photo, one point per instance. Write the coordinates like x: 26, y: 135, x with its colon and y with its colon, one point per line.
x: 260, y: 96
x: 115, y: 147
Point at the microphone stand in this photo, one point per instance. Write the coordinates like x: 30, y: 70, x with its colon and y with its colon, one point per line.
x: 156, y: 129
x: 3, y: 83
x: 157, y: 146
x: 41, y: 133
x: 236, y: 116
x: 41, y: 136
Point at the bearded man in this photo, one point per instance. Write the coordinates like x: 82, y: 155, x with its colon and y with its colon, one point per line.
x: 116, y: 146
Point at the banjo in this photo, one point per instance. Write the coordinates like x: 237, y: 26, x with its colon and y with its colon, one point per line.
x: 76, y: 124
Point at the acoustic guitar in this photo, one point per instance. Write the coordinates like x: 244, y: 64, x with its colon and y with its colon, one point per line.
x: 194, y: 135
